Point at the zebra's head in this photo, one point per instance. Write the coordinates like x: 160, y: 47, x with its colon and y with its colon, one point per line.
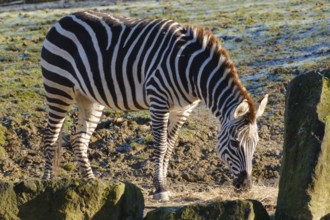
x: 237, y: 142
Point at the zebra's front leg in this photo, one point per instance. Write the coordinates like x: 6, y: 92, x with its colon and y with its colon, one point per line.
x: 176, y: 120
x: 89, y: 116
x: 159, y: 125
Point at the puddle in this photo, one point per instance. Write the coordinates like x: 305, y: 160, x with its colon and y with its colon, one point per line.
x: 254, y: 77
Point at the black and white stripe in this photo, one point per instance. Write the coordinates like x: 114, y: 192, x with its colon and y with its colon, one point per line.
x: 130, y: 64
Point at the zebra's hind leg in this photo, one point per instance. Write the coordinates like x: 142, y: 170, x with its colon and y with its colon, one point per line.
x: 59, y: 104
x: 89, y: 115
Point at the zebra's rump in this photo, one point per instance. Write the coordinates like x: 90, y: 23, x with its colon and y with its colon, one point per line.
x: 107, y: 58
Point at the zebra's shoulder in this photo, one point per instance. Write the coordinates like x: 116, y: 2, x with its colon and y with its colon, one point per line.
x: 209, y: 41
x: 204, y: 36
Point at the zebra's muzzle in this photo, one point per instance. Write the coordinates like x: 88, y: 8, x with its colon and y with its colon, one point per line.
x: 243, y: 182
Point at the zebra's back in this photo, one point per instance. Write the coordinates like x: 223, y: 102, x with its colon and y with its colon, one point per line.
x: 107, y: 58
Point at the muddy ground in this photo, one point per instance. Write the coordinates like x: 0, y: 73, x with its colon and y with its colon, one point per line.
x: 269, y: 42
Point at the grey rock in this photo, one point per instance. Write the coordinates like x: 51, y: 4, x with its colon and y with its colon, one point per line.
x: 305, y: 171
x: 226, y: 210
x: 70, y: 199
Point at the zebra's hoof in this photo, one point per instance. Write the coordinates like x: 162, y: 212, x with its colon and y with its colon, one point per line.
x: 162, y: 196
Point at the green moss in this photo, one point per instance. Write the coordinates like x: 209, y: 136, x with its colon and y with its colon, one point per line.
x: 115, y: 193
x: 323, y: 108
x: 320, y: 204
x: 69, y: 166
x: 8, y: 202
x: 70, y: 199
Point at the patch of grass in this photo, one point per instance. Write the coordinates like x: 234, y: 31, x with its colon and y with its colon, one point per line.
x: 2, y: 135
x: 3, y: 153
x: 149, y: 139
x: 141, y: 157
x: 69, y: 166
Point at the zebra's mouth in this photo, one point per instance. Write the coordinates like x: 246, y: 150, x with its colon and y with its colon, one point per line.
x: 243, y: 182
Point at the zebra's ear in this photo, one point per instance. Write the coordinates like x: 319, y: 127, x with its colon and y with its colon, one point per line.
x: 261, y: 106
x: 241, y: 109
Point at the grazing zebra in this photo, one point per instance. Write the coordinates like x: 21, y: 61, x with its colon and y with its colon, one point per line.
x: 133, y: 64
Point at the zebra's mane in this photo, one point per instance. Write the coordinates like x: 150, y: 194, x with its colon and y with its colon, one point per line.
x: 208, y: 40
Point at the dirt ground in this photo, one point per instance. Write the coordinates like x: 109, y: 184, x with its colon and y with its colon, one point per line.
x: 270, y: 43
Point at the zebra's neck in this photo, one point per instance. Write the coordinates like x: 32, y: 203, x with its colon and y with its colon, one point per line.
x: 214, y: 77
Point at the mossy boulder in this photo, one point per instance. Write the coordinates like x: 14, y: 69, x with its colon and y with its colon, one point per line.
x: 70, y: 199
x: 305, y: 174
x: 228, y: 210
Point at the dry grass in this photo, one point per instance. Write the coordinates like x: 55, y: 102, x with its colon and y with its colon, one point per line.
x: 267, y: 195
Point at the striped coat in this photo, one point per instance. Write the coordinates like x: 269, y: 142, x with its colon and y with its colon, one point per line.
x: 132, y: 64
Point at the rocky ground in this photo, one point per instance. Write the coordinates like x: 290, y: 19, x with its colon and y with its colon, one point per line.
x: 269, y: 42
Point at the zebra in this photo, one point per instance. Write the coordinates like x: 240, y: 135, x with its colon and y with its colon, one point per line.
x: 101, y: 60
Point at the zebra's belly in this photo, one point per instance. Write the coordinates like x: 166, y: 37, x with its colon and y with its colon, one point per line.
x: 130, y: 101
